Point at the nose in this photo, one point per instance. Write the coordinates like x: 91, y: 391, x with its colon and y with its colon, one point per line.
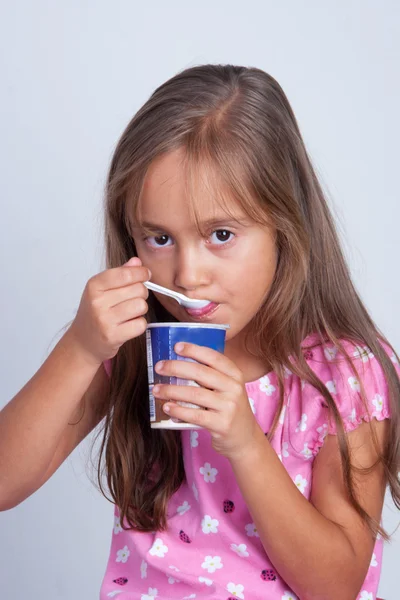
x: 192, y: 271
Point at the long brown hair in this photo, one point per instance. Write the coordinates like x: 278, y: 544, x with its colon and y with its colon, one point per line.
x: 238, y: 133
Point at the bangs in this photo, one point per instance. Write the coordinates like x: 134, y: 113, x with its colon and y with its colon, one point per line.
x: 216, y: 173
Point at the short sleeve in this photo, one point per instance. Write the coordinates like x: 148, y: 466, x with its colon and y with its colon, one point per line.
x: 107, y: 366
x: 345, y: 385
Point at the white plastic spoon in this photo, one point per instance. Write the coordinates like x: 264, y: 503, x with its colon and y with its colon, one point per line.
x: 181, y: 298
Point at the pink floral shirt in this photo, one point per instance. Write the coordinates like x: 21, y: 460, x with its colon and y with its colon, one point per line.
x: 212, y: 549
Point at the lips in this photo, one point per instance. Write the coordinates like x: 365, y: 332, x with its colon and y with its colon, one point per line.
x: 202, y: 312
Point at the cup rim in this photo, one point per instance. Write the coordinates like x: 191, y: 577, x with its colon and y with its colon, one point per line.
x: 189, y: 325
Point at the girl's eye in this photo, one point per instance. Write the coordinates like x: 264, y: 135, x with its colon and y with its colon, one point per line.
x: 161, y: 240
x: 222, y: 236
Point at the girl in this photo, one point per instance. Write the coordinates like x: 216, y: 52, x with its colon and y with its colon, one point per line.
x: 280, y: 494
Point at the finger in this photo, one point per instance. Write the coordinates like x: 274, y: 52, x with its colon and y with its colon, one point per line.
x: 130, y: 309
x: 129, y: 292
x: 119, y: 277
x: 203, y: 418
x: 210, y: 357
x: 204, y: 376
x: 188, y: 393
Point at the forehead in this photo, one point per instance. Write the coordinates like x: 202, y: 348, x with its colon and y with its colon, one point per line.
x: 171, y: 194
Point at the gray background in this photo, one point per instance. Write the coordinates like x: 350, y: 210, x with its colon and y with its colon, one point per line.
x: 72, y: 75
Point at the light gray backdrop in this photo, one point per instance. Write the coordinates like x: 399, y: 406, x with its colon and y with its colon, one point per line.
x: 72, y: 75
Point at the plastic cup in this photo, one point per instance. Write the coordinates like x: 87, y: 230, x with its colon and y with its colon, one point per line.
x: 160, y: 340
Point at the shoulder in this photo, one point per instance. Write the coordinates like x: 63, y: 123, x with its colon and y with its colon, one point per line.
x: 355, y: 380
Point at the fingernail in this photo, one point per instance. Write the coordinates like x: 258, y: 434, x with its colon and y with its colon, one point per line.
x: 159, y: 366
x: 179, y: 346
x: 149, y: 273
x: 134, y: 261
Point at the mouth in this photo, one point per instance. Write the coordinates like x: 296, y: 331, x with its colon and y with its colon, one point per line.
x: 206, y: 311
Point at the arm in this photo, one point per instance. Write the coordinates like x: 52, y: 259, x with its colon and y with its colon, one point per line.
x: 316, y: 557
x: 43, y: 423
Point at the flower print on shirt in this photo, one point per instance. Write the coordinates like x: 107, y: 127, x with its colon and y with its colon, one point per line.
x: 143, y: 569
x: 194, y: 439
x: 252, y: 406
x: 195, y: 491
x: 330, y: 352
x: 301, y: 483
x: 152, y: 593
x: 282, y: 415
x: 363, y: 352
x: 366, y: 595
x: 236, y: 590
x: 302, y: 424
x: 374, y: 562
x: 354, y: 383
x: 285, y: 447
x: 206, y: 580
x: 114, y: 593
x: 287, y: 372
x: 266, y: 386
x: 241, y: 549
x: 377, y: 401
x: 158, y: 548
x: 289, y: 596
x: 189, y: 597
x: 183, y: 508
x: 323, y: 432
x: 209, y: 525
x: 394, y: 360
x: 171, y: 579
x: 212, y: 563
x: 208, y: 472
x: 331, y: 386
x: 251, y: 530
x: 117, y: 525
x: 123, y: 555
x: 306, y: 451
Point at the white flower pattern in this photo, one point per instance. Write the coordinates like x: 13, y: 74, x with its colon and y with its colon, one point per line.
x: 301, y: 483
x: 366, y: 595
x: 330, y: 353
x: 143, y: 569
x: 209, y: 525
x: 212, y: 563
x: 251, y: 530
x: 377, y: 401
x: 209, y: 473
x: 266, y: 386
x: 206, y: 581
x: 236, y: 589
x: 194, y: 438
x: 302, y: 424
x: 183, y: 508
x: 363, y: 352
x: 354, y: 384
x: 117, y: 525
x: 158, y: 548
x: 123, y: 555
x: 151, y: 594
x: 241, y: 549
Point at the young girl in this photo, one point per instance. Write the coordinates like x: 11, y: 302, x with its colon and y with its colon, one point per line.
x: 279, y: 494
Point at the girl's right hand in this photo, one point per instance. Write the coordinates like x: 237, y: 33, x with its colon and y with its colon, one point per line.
x: 111, y: 311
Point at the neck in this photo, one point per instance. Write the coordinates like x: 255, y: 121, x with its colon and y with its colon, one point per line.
x: 252, y: 367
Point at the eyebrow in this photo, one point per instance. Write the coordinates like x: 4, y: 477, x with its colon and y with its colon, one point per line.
x: 228, y: 220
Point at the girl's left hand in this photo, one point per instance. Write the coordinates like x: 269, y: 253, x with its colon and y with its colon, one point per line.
x: 229, y: 417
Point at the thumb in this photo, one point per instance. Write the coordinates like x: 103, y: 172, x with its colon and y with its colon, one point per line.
x: 133, y: 262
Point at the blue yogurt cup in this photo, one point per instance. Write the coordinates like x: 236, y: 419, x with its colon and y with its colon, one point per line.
x: 160, y: 340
